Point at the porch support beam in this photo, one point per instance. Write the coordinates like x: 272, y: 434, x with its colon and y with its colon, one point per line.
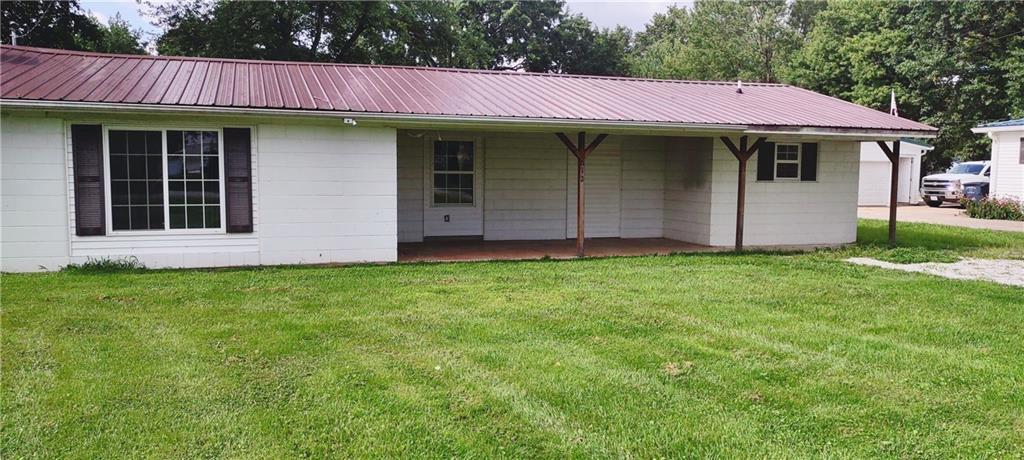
x: 894, y: 180
x: 580, y: 150
x: 742, y: 153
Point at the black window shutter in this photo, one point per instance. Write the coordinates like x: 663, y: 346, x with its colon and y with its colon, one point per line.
x: 809, y: 161
x: 238, y: 179
x: 766, y: 161
x: 87, y: 158
x: 1022, y: 150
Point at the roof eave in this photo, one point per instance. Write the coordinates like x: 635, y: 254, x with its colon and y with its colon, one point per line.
x: 880, y: 133
x: 996, y: 129
x: 414, y: 121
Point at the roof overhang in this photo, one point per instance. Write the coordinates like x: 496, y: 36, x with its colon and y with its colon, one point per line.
x: 996, y: 129
x: 416, y: 121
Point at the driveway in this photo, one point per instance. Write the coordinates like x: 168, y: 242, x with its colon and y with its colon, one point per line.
x: 946, y: 215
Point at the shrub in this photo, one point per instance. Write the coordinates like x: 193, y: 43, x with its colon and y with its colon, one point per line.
x: 994, y: 208
x: 107, y: 265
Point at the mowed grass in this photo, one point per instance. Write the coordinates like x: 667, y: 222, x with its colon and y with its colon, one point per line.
x: 721, y: 355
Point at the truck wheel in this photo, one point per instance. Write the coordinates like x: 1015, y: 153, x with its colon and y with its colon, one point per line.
x: 933, y: 203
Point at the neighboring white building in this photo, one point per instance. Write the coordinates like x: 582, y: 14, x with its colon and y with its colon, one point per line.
x: 190, y: 162
x: 1007, y: 178
x: 875, y: 170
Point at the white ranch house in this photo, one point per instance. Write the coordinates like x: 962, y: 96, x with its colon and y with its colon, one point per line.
x: 189, y: 162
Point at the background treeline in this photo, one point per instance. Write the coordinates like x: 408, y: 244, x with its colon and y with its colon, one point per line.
x: 952, y: 64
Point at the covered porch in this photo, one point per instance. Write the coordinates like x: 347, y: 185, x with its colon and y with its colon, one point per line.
x: 486, y: 195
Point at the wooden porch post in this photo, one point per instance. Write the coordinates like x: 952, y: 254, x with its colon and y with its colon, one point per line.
x: 742, y: 153
x: 580, y: 150
x: 894, y: 183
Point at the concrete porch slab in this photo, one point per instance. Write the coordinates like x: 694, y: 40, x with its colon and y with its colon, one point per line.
x: 474, y: 249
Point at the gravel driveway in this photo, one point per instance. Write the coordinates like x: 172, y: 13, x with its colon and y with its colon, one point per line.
x: 946, y: 215
x: 1002, y: 271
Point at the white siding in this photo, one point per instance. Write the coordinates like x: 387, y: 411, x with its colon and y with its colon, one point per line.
x: 643, y: 186
x: 530, y: 186
x: 524, y: 190
x: 321, y: 193
x: 873, y: 182
x: 328, y: 194
x: 603, y: 192
x: 410, y: 187
x: 440, y: 220
x: 34, y: 213
x: 1007, y: 171
x: 789, y: 212
x: 688, y: 170
x: 160, y: 249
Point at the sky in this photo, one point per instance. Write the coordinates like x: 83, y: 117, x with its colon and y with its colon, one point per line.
x: 632, y: 14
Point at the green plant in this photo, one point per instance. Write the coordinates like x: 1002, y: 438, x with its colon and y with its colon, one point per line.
x: 107, y: 265
x: 994, y: 208
x: 903, y: 255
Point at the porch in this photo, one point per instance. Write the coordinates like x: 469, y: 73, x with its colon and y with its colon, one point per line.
x: 512, y: 195
x: 468, y: 249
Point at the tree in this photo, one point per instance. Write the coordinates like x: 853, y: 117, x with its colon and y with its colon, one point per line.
x: 65, y: 25
x: 952, y: 65
x: 506, y: 35
x: 48, y: 24
x: 748, y: 40
x: 254, y: 30
x: 802, y: 14
x: 119, y: 37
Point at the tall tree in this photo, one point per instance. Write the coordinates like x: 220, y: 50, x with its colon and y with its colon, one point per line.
x: 118, y: 36
x: 952, y: 64
x: 64, y: 25
x: 507, y: 35
x: 518, y: 34
x: 48, y: 24
x: 716, y: 40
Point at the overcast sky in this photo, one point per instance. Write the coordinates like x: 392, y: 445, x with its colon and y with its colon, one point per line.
x: 632, y: 14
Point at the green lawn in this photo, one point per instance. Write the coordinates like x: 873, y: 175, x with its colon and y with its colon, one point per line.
x: 680, y: 356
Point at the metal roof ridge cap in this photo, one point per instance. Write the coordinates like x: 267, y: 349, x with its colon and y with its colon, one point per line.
x: 58, y: 51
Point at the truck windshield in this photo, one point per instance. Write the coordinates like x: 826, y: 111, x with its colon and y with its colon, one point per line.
x: 964, y: 168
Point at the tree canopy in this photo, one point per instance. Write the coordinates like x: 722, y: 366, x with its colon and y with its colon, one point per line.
x: 65, y: 25
x: 502, y: 35
x: 952, y: 64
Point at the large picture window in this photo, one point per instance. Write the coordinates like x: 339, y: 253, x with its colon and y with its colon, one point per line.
x: 453, y: 173
x: 164, y: 179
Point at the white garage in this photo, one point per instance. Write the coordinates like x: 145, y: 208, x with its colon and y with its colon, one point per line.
x: 1007, y: 157
x: 873, y: 189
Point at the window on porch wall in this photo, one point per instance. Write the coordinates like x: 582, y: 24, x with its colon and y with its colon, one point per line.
x: 453, y: 173
x: 787, y: 161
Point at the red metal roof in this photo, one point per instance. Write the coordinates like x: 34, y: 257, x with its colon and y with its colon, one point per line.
x: 39, y: 74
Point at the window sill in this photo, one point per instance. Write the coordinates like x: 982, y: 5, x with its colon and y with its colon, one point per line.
x: 159, y: 233
x: 455, y: 206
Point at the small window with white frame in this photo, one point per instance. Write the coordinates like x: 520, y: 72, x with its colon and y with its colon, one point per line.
x: 164, y: 179
x: 787, y: 161
x: 453, y: 173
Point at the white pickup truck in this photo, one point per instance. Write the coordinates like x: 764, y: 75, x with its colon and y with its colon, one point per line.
x: 964, y: 180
